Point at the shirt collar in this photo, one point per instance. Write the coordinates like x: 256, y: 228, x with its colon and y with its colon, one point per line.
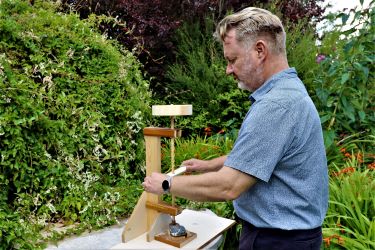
x: 269, y: 83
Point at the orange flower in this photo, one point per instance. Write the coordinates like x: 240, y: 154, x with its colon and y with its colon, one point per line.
x: 340, y: 240
x: 340, y: 226
x: 207, y: 131
x: 327, y: 241
x: 344, y: 171
x: 348, y: 170
x: 359, y: 157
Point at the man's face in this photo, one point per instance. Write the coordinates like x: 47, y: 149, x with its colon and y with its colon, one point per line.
x: 243, y: 63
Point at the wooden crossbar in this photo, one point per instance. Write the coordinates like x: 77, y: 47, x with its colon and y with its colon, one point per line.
x: 163, y: 208
x: 162, y: 132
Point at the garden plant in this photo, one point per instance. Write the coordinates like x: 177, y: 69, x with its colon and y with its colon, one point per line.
x: 72, y: 104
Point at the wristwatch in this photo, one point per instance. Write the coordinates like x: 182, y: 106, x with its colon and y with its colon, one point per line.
x: 166, y: 184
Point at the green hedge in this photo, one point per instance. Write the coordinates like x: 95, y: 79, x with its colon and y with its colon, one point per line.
x: 72, y: 104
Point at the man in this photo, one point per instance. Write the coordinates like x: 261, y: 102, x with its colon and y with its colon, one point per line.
x: 276, y: 173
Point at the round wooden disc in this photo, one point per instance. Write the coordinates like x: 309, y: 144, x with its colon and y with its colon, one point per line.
x: 172, y: 110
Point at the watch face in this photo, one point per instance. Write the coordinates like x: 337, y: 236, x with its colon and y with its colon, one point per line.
x: 165, y: 185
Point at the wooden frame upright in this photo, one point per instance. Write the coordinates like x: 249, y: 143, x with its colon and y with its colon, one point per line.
x: 150, y: 215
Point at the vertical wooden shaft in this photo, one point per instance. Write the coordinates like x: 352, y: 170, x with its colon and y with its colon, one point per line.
x: 153, y: 164
x: 172, y: 162
x: 172, y: 145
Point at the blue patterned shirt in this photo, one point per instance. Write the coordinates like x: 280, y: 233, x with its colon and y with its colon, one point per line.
x: 281, y: 144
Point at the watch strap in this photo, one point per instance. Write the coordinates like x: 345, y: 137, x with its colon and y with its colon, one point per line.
x: 169, y: 182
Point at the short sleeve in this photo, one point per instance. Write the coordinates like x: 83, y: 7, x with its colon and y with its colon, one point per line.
x: 264, y: 138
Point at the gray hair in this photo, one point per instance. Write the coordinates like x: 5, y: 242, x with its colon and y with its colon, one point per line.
x: 252, y: 23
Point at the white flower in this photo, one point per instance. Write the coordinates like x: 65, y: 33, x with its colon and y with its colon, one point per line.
x: 117, y: 196
x: 48, y: 80
x: 51, y: 208
x: 70, y: 53
x: 99, y: 151
x: 85, y: 208
x: 36, y: 200
x: 6, y: 99
x: 133, y: 126
x: 47, y: 155
x: 1, y: 131
x: 137, y: 115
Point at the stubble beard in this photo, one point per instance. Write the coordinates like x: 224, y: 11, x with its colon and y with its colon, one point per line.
x: 242, y: 85
x: 256, y: 80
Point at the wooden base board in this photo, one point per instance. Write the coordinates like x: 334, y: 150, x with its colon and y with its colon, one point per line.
x: 176, y: 241
x: 207, y: 226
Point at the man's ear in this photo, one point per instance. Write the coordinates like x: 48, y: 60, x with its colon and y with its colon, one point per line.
x: 261, y: 48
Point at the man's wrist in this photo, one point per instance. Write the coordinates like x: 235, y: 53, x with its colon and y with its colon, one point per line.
x: 167, y: 184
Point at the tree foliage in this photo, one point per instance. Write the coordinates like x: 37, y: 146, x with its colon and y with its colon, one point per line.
x: 149, y: 26
x: 344, y: 83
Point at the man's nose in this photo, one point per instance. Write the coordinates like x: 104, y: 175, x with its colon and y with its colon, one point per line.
x: 229, y: 69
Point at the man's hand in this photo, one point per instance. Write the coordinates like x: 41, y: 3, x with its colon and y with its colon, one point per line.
x: 195, y: 165
x: 153, y: 183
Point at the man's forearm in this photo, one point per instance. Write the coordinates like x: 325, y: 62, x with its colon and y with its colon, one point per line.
x: 216, y: 164
x: 223, y: 185
x: 202, y: 187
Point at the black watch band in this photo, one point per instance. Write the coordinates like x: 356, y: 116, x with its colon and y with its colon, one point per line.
x: 166, y: 184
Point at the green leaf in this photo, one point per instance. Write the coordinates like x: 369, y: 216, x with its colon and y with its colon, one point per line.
x: 362, y: 115
x: 365, y: 72
x: 329, y: 137
x: 344, y: 78
x: 322, y: 95
x: 356, y: 16
x: 351, y: 43
x: 19, y: 121
x: 349, y: 31
x: 344, y: 18
x: 325, y: 118
x: 350, y: 115
x: 332, y: 69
